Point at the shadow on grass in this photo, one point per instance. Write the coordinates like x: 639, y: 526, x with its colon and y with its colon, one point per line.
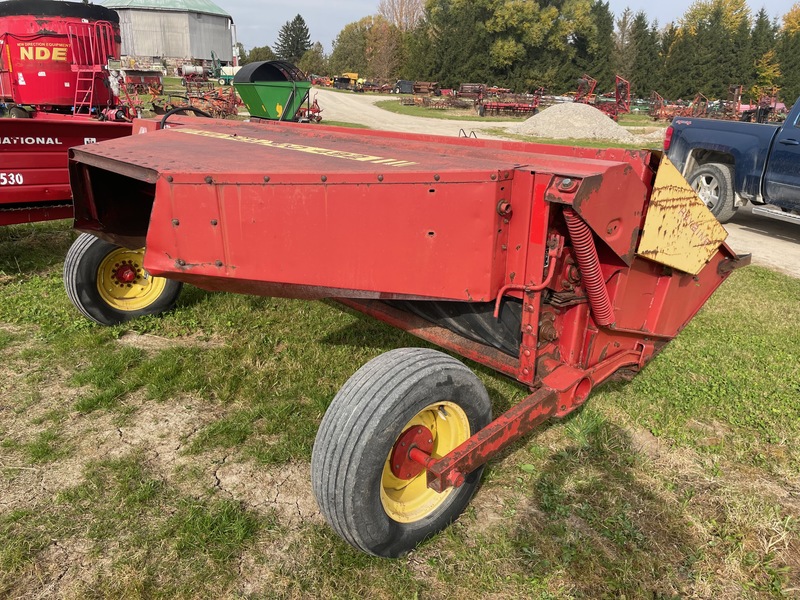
x: 28, y: 248
x: 596, y: 524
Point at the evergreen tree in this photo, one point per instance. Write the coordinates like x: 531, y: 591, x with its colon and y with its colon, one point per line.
x: 742, y: 56
x: 666, y: 43
x: 788, y: 52
x: 644, y: 42
x: 624, y: 55
x: 460, y: 44
x: 594, y: 47
x: 762, y: 40
x: 763, y: 35
x: 681, y: 67
x: 293, y: 40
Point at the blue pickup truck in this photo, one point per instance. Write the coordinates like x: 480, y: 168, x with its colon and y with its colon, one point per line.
x: 730, y: 163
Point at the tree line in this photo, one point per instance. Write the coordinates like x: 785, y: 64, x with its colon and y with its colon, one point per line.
x: 525, y: 45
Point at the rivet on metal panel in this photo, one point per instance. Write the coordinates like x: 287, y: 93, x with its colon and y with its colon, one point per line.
x: 436, y: 177
x: 529, y: 307
x: 180, y: 262
x: 176, y: 222
x: 529, y: 329
x: 169, y: 178
x: 380, y: 177
x: 505, y: 175
x: 324, y: 178
x: 209, y: 179
x: 527, y: 353
x: 214, y: 222
x: 493, y: 177
x: 526, y: 371
x: 266, y: 178
x: 218, y: 263
x: 504, y: 247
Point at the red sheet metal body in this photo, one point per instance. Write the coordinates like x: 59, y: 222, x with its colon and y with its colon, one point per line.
x: 287, y: 210
x: 364, y: 217
x: 34, y: 178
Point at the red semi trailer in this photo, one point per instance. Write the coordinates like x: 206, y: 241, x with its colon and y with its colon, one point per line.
x: 559, y: 267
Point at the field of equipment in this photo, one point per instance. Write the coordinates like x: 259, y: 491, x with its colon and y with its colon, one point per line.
x: 559, y: 267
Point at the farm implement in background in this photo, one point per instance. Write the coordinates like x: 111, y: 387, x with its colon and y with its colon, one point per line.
x: 559, y: 267
x: 276, y: 91
x: 613, y: 103
x: 61, y: 58
x: 504, y: 102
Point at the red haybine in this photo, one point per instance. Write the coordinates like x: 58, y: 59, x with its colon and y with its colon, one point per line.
x: 559, y: 267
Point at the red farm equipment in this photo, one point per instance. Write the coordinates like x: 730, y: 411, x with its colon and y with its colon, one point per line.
x: 54, y: 69
x: 507, y: 103
x: 55, y: 57
x: 584, y: 93
x: 621, y: 103
x: 559, y: 267
x: 34, y: 180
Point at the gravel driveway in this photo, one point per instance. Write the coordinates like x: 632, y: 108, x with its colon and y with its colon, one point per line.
x: 772, y: 243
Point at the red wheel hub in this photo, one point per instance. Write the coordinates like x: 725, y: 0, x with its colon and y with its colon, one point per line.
x: 402, y: 466
x: 125, y: 273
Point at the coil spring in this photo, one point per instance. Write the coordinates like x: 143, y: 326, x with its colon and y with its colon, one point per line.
x: 589, y: 265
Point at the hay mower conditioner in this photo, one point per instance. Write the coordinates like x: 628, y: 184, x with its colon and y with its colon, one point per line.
x: 558, y: 267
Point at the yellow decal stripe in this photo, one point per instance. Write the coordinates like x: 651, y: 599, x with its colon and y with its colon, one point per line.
x: 390, y: 162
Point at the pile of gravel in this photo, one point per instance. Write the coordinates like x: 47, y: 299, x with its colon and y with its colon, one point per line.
x: 573, y: 121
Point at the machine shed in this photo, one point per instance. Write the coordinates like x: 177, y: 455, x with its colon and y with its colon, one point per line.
x: 174, y: 31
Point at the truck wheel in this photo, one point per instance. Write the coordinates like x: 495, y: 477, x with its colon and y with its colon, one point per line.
x: 109, y: 285
x: 15, y: 112
x: 406, y: 396
x: 713, y: 182
x: 221, y: 81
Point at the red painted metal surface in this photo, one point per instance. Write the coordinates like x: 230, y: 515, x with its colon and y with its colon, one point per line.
x: 402, y: 463
x: 43, y: 52
x: 364, y: 217
x: 34, y: 178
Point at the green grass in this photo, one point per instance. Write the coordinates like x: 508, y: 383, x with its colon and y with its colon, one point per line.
x: 169, y: 457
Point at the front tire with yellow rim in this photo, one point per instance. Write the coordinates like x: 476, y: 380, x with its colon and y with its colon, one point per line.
x: 109, y: 284
x: 366, y: 486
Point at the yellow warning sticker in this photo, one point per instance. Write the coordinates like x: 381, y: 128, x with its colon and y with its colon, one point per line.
x: 389, y: 162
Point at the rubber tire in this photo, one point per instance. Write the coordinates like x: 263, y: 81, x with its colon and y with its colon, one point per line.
x: 221, y: 81
x: 15, y: 112
x: 358, y: 431
x: 721, y: 175
x: 80, y: 280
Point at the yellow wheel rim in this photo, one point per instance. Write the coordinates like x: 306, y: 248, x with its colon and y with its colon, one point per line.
x: 123, y: 282
x: 409, y: 500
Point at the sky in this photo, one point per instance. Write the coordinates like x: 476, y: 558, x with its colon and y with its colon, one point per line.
x: 258, y: 21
